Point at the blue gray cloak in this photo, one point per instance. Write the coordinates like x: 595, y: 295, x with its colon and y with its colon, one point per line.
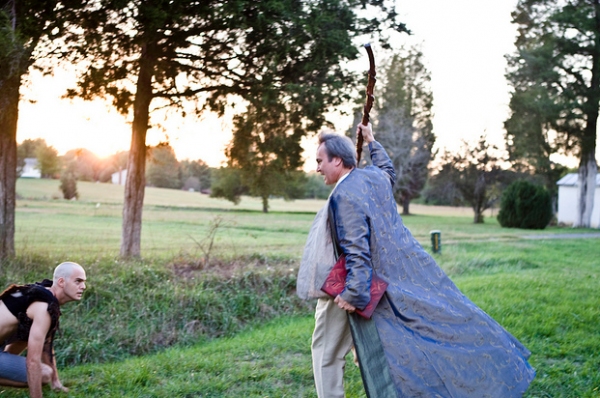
x: 436, y: 342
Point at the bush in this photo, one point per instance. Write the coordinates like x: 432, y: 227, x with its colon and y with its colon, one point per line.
x: 525, y: 205
x: 68, y: 184
x: 140, y: 307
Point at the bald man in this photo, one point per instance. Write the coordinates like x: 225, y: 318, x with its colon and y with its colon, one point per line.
x: 29, y: 318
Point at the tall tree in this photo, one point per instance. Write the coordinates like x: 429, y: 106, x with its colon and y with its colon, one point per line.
x: 198, y: 172
x: 27, y: 149
x: 265, y: 151
x: 473, y: 175
x: 87, y: 166
x: 555, y: 75
x: 24, y: 24
x: 167, y: 50
x: 405, y: 126
x: 163, y: 167
x: 49, y: 162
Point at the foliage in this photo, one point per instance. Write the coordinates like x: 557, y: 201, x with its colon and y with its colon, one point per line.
x: 315, y: 187
x: 266, y: 161
x: 295, y: 89
x: 88, y: 166
x: 48, y: 161
x: 474, y: 175
x: 162, y: 170
x: 541, y: 291
x: 525, y: 205
x: 288, y: 53
x: 405, y: 127
x: 440, y: 189
x: 180, y: 302
x: 556, y: 82
x: 30, y: 30
x: 227, y: 184
x: 198, y: 170
x: 68, y: 181
x: 27, y: 149
x: 176, y: 219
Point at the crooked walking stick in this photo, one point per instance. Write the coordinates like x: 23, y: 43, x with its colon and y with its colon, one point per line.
x: 369, y: 101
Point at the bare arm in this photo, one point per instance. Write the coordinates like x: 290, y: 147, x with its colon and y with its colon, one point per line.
x: 49, y: 359
x: 38, y: 312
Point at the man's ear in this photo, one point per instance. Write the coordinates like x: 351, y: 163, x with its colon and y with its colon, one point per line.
x: 61, y: 282
x: 337, y: 161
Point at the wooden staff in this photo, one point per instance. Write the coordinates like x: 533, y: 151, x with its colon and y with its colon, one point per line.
x: 369, y: 102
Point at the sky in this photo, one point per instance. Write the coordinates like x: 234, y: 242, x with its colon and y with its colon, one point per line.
x: 464, y: 43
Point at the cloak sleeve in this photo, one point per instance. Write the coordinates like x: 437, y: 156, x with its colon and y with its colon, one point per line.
x: 352, y: 232
x: 382, y: 161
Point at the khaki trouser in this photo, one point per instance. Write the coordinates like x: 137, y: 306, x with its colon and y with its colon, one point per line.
x: 331, y: 342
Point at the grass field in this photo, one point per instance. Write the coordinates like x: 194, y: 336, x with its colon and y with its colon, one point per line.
x: 171, y: 326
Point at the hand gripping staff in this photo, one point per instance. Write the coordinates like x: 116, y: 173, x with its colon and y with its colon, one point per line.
x: 369, y: 103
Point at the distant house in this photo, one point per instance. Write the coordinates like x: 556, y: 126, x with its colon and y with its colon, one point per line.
x: 567, y: 200
x: 31, y: 170
x: 119, y: 177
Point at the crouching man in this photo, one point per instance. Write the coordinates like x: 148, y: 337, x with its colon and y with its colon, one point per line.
x: 29, y: 318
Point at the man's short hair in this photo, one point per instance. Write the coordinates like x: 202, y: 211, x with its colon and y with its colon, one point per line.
x: 64, y: 270
x: 339, y: 146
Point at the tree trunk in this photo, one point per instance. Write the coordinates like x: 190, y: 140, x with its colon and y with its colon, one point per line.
x: 405, y: 207
x: 265, y: 203
x: 478, y: 211
x: 136, y: 164
x: 588, y: 169
x: 9, y: 114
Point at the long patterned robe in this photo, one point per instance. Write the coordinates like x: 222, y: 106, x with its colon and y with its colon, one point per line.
x: 436, y: 342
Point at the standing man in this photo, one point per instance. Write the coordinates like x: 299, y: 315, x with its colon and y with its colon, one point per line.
x: 29, y: 318
x: 425, y: 338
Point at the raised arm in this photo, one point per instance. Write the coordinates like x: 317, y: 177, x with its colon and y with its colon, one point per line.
x: 379, y: 156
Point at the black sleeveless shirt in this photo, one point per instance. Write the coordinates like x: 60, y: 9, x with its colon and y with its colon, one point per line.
x: 18, y: 298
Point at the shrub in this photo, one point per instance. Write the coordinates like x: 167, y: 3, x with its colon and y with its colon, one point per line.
x: 68, y: 183
x: 525, y: 205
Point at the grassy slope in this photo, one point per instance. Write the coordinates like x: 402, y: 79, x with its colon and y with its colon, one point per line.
x: 542, y: 291
x: 544, y: 297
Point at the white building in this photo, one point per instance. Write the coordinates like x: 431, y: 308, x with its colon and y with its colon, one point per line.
x: 567, y: 200
x: 31, y: 170
x: 119, y: 177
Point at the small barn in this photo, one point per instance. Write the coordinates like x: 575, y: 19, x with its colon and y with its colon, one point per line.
x: 567, y: 200
x: 30, y: 169
x: 119, y: 177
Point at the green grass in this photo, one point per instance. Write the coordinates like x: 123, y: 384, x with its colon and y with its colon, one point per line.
x: 171, y: 325
x: 176, y: 222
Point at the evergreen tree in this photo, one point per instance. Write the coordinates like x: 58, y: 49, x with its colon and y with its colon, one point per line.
x: 472, y: 176
x: 48, y: 160
x: 163, y: 168
x: 198, y: 170
x: 404, y: 123
x: 284, y: 52
x: 29, y: 30
x: 525, y: 205
x: 555, y: 75
x: 68, y: 181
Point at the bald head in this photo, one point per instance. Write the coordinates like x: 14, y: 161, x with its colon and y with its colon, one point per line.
x: 64, y: 270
